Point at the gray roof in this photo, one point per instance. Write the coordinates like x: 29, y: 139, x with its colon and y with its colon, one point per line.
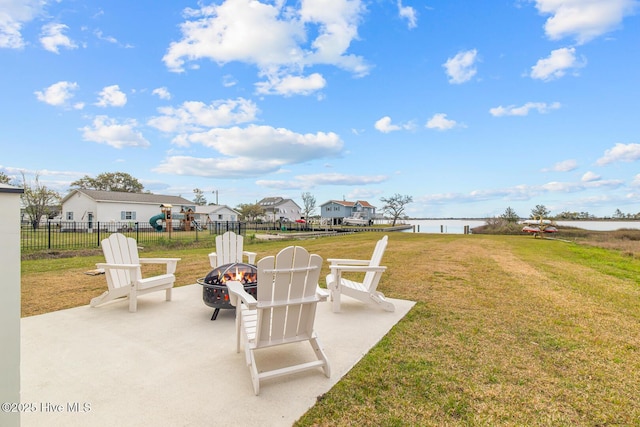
x: 6, y: 188
x: 120, y: 196
x: 269, y: 202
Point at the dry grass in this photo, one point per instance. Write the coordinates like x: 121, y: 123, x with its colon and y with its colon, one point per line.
x: 507, y: 330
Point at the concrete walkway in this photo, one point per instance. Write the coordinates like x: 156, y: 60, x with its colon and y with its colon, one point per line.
x: 170, y: 365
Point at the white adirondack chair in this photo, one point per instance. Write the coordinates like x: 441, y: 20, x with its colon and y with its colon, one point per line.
x: 284, y: 311
x: 365, y: 291
x: 229, y: 248
x: 124, y: 275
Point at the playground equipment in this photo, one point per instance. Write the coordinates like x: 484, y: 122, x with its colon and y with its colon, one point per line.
x: 156, y: 220
x: 187, y: 218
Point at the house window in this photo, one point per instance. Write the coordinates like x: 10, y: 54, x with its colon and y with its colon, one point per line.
x: 220, y: 216
x: 69, y: 216
x: 127, y: 215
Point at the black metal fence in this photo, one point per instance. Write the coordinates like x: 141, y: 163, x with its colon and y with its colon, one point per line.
x: 55, y: 235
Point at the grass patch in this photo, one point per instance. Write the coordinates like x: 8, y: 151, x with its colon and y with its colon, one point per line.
x: 507, y: 330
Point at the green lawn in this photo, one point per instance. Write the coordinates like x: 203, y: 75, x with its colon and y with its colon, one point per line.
x: 507, y: 330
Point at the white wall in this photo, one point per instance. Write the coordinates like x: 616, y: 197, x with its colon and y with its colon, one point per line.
x: 106, y: 212
x: 10, y: 302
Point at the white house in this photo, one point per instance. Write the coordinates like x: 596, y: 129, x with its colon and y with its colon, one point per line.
x: 213, y: 213
x: 85, y: 208
x: 280, y: 209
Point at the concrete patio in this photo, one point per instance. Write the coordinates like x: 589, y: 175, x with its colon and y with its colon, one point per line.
x: 170, y: 365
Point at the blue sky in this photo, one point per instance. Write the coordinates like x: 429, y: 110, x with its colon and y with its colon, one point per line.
x: 469, y: 107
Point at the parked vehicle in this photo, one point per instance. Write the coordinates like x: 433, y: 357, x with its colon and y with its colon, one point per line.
x: 355, y: 219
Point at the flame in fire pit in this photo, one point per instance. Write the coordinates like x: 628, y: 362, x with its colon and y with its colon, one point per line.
x: 243, y: 273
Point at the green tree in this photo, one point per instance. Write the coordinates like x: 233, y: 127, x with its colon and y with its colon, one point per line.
x: 540, y: 211
x: 110, y: 181
x: 39, y: 201
x: 309, y: 202
x: 249, y: 212
x: 199, y: 198
x: 618, y: 214
x: 394, y: 206
x: 510, y: 215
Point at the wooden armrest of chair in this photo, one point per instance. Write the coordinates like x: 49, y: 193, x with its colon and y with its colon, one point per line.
x: 323, y: 294
x: 344, y: 261
x: 237, y: 291
x: 356, y: 268
x: 251, y: 256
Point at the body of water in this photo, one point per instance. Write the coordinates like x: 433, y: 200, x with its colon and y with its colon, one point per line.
x: 457, y: 226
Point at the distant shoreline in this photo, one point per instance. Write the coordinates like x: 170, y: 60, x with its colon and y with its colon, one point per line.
x: 521, y: 219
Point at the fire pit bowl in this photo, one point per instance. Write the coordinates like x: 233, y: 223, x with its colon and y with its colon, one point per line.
x: 214, y: 289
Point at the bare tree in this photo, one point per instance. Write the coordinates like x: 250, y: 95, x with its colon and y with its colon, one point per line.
x: 309, y: 202
x: 394, y: 206
x: 38, y: 200
x: 4, y: 178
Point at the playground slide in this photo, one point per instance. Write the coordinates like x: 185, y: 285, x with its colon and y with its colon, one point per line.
x: 155, y: 221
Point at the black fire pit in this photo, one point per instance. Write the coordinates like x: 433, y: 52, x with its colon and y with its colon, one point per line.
x: 214, y: 289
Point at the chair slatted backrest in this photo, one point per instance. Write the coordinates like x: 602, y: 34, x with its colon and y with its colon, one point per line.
x: 229, y: 248
x: 286, y: 297
x: 375, y: 261
x: 119, y: 249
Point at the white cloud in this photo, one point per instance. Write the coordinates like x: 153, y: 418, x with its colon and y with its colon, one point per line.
x: 111, y: 96
x: 564, y: 166
x: 408, y: 13
x: 235, y: 167
x: 523, y: 110
x: 292, y: 85
x: 461, y: 68
x: 252, y: 151
x: 310, y: 181
x: 100, y: 35
x: 556, y: 65
x: 620, y: 153
x: 384, y: 125
x: 13, y: 15
x: 196, y: 115
x: 590, y: 177
x: 266, y: 142
x: 105, y: 130
x: 52, y: 37
x: 583, y: 19
x: 228, y: 80
x: 58, y: 93
x: 277, y: 38
x: 439, y: 121
x: 519, y: 192
x: 162, y: 92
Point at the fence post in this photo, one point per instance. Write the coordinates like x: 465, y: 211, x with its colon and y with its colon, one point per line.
x: 98, y: 234
x: 49, y: 234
